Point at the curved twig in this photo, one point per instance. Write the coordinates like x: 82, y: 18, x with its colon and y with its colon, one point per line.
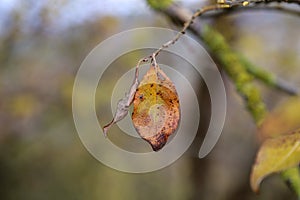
x: 189, y: 20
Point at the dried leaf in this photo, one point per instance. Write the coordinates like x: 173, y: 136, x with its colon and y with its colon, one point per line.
x: 124, y: 103
x: 276, y: 155
x: 284, y: 119
x: 123, y: 106
x: 156, y: 108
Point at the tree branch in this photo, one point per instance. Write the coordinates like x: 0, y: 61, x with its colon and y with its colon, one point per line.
x: 269, y: 78
x: 292, y: 177
x: 239, y: 69
x: 272, y: 8
x: 180, y: 15
x: 238, y: 2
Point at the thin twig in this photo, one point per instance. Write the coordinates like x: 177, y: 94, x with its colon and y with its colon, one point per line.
x: 270, y: 8
x: 239, y: 2
x: 221, y: 5
x: 143, y: 60
x: 188, y: 23
x: 188, y: 19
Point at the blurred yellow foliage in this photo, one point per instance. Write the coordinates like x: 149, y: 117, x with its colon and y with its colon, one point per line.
x: 23, y: 105
x: 284, y: 119
x: 276, y: 155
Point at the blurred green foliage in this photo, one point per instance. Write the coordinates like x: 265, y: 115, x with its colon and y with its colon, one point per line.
x: 159, y: 4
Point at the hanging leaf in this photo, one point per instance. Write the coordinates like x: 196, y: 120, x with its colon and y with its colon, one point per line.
x: 276, y: 155
x: 122, y: 107
x: 156, y: 108
x: 284, y: 119
x: 125, y: 102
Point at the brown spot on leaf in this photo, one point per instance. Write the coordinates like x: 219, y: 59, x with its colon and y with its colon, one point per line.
x: 158, y: 141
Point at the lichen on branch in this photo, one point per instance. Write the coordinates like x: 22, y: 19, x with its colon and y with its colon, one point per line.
x: 230, y: 62
x: 159, y: 4
x: 239, y: 69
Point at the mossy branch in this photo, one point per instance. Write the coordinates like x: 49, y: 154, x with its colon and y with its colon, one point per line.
x: 231, y: 63
x: 268, y: 78
x: 292, y: 177
x: 159, y: 4
x: 241, y: 71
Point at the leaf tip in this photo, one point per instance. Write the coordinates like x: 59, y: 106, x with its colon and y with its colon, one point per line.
x: 106, y: 128
x: 254, y: 182
x: 158, y: 141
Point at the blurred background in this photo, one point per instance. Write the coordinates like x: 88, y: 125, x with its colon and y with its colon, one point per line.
x: 42, y: 44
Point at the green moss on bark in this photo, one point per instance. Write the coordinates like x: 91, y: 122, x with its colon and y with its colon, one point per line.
x: 159, y: 4
x: 232, y: 64
x: 292, y: 176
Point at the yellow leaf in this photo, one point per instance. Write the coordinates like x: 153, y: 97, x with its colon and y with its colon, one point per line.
x: 156, y: 111
x: 284, y: 119
x: 276, y: 155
